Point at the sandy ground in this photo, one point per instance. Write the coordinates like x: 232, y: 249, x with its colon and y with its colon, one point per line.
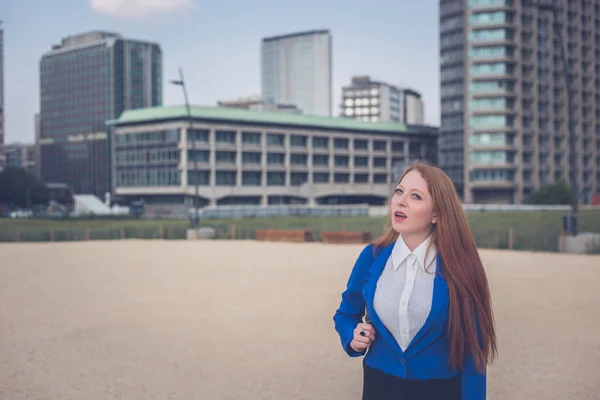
x: 245, y: 320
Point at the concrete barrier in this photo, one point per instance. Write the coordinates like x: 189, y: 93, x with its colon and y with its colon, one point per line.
x: 347, y: 237
x: 273, y: 235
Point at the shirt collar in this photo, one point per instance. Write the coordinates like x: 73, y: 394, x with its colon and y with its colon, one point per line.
x: 401, y: 251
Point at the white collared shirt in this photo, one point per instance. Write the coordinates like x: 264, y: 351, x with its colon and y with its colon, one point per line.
x: 405, y: 290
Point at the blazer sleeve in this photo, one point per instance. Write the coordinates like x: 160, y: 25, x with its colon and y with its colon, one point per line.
x: 352, y: 307
x: 473, y: 382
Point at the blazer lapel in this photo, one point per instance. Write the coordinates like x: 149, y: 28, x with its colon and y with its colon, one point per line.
x: 438, y: 304
x: 369, y: 293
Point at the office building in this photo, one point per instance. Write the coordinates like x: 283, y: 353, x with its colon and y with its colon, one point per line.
x: 368, y: 100
x: 2, y: 156
x: 297, y: 69
x: 19, y: 155
x: 505, y: 121
x: 85, y: 81
x: 260, y: 158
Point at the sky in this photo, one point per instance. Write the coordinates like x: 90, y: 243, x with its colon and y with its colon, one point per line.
x: 217, y: 43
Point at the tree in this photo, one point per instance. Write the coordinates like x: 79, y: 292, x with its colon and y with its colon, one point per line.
x: 19, y: 187
x: 553, y: 193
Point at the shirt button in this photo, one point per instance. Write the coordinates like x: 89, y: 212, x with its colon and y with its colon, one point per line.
x: 404, y: 331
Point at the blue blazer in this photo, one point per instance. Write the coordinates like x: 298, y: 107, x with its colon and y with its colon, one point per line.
x: 428, y: 354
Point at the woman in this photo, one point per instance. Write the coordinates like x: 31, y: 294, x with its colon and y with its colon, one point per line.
x: 429, y: 330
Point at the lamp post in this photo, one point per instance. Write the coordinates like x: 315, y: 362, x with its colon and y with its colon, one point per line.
x: 571, y: 222
x: 181, y: 82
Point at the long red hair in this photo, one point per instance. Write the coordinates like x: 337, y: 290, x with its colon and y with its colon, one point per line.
x: 470, y: 299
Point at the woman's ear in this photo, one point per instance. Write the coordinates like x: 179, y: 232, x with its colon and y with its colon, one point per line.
x: 434, y: 220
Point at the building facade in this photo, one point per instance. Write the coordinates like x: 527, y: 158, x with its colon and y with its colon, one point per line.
x: 260, y: 158
x: 368, y: 100
x: 20, y: 155
x: 505, y: 120
x: 2, y: 156
x: 297, y: 69
x: 85, y: 81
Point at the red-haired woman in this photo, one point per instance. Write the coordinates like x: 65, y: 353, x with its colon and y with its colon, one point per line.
x: 429, y: 330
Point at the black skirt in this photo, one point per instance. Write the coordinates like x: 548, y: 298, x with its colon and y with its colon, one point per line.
x: 378, y: 385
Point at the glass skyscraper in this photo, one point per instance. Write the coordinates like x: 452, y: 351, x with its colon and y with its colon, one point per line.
x: 296, y: 69
x: 85, y: 81
x: 505, y: 121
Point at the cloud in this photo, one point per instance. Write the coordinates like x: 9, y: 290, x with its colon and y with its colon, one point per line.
x: 138, y: 8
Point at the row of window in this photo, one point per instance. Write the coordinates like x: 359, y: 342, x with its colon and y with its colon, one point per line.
x: 147, y: 156
x: 349, y: 111
x: 278, y: 139
x: 279, y: 158
x: 491, y: 175
x: 361, y: 102
x: 142, y: 138
x: 488, y: 157
x: 149, y: 177
x: 277, y: 178
x: 488, y: 139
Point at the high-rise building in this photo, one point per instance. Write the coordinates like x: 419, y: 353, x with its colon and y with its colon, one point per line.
x: 297, y: 69
x: 505, y: 121
x: 2, y: 156
x: 85, y: 81
x: 19, y: 155
x: 368, y: 100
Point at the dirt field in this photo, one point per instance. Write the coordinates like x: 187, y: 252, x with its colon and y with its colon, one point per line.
x: 141, y: 320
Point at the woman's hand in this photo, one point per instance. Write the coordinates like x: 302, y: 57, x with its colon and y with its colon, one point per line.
x: 362, y: 341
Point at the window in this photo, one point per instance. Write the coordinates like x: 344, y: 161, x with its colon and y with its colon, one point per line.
x: 341, y: 177
x: 251, y: 158
x: 361, y: 144
x: 200, y: 178
x: 488, y: 86
x: 225, y: 156
x: 491, y: 175
x: 225, y: 178
x: 487, y: 139
x: 361, y: 178
x: 380, y: 178
x: 275, y: 139
x: 251, y: 137
x: 497, y: 17
x: 487, y: 35
x: 298, y: 141
x: 298, y: 159
x: 488, y: 157
x: 276, y: 158
x: 488, y: 104
x: 198, y: 155
x: 488, y: 69
x: 379, y: 162
x: 321, y: 177
x: 341, y: 161
x: 251, y: 178
x: 298, y: 178
x: 275, y: 178
x: 361, y: 161
x: 487, y: 52
x: 225, y: 137
x: 198, y: 135
x: 320, y: 142
x: 320, y: 159
x: 488, y: 121
x: 379, y: 145
x: 340, y: 143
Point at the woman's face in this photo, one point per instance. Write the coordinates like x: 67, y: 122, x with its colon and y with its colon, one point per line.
x: 412, y: 208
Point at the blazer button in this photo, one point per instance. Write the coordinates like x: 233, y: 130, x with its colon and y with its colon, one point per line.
x: 402, y: 361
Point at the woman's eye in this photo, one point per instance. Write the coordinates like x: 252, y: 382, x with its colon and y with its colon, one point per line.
x: 399, y: 191
x: 416, y: 196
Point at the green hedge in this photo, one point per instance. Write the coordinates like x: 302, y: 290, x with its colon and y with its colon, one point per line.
x: 535, y: 230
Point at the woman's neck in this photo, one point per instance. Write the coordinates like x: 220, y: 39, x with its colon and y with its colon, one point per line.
x: 413, y: 241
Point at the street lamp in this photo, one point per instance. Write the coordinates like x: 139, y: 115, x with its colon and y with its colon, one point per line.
x: 571, y: 222
x: 181, y: 82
